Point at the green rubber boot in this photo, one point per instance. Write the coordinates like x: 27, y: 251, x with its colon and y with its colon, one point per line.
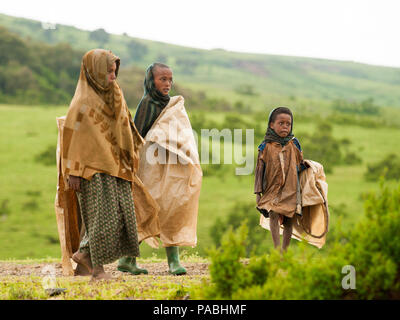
x: 173, y: 261
x: 128, y: 264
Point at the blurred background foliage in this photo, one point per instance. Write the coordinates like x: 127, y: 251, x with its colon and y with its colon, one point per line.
x: 371, y: 248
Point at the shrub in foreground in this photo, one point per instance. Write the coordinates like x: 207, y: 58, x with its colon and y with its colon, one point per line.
x: 372, y: 248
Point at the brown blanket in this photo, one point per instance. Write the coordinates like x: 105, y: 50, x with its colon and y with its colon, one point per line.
x: 313, y: 225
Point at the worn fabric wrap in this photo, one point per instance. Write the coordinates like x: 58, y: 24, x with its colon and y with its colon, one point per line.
x: 276, y: 178
x: 170, y: 170
x: 272, y: 136
x: 98, y: 135
x: 313, y: 225
x: 108, y: 213
x: 68, y: 213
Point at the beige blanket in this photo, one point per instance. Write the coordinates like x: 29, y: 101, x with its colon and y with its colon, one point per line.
x: 313, y: 225
x: 170, y: 170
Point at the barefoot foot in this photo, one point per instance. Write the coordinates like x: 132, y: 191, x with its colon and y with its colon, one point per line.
x: 83, y: 258
x: 81, y: 270
x: 100, y: 274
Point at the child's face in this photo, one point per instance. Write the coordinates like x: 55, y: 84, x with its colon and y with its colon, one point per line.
x: 163, y: 79
x: 111, y: 73
x: 282, y: 124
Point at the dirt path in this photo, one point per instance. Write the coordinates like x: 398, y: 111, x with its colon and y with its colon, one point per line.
x: 155, y: 269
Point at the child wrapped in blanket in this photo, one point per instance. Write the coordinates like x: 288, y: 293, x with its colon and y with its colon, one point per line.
x: 280, y: 159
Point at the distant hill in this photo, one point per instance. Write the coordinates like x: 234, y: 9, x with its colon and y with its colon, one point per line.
x: 36, y: 73
x: 225, y: 73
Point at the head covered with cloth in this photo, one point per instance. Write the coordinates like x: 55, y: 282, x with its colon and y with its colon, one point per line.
x: 174, y: 184
x: 152, y: 102
x: 271, y: 135
x: 98, y: 136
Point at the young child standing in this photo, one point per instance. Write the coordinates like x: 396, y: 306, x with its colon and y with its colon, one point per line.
x: 279, y: 161
x: 175, y: 186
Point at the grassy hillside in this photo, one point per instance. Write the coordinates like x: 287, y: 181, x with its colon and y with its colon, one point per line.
x: 228, y: 73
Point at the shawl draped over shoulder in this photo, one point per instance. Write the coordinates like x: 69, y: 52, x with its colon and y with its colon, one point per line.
x: 99, y: 134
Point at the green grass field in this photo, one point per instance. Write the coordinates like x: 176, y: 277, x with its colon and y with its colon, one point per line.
x: 27, y: 188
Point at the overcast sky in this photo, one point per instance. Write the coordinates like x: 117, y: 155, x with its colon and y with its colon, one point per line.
x: 357, y: 30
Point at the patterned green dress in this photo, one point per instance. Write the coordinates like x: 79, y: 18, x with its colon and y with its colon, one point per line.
x: 109, y: 216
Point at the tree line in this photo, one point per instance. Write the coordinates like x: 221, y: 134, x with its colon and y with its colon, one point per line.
x: 33, y: 73
x: 36, y: 73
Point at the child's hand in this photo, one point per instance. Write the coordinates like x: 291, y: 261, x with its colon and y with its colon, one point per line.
x: 305, y: 164
x: 74, y: 183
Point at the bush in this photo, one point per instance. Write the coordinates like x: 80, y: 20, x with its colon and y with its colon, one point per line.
x: 351, y: 158
x: 373, y: 248
x: 227, y: 272
x: 33, y: 73
x: 217, y: 104
x: 366, y: 107
x: 322, y: 147
x: 137, y: 50
x: 48, y: 156
x: 241, y: 211
x: 235, y: 121
x: 186, y: 65
x: 245, y: 89
x: 389, y: 167
x: 215, y: 170
x: 198, y: 121
x: 240, y: 107
x: 99, y: 35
